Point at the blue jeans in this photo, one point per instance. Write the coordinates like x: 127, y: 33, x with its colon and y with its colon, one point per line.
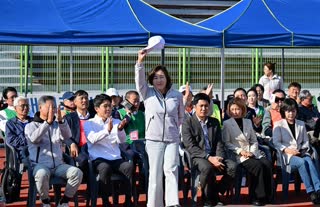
x: 308, y: 172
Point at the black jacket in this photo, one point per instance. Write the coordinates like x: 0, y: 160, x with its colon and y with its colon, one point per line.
x: 193, y: 138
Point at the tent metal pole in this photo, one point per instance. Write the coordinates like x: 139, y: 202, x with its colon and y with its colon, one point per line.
x: 252, y: 64
x: 102, y: 69
x: 21, y: 68
x: 107, y: 67
x: 282, y: 63
x: 71, y: 68
x: 26, y: 70
x: 162, y: 57
x: 184, y: 64
x: 31, y: 68
x: 253, y: 81
x: 222, y: 67
x: 189, y: 63
x: 179, y: 68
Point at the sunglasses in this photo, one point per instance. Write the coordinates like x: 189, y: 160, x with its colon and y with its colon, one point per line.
x: 277, y: 100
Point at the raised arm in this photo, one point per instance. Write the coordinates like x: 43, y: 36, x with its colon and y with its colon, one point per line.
x: 140, y: 75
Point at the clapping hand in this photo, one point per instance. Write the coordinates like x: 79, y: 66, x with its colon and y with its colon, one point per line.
x: 59, y: 114
x: 110, y: 125
x: 257, y: 120
x: 122, y: 124
x: 50, y: 115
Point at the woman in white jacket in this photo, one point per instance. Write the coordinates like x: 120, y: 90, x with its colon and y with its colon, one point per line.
x: 241, y: 140
x: 164, y: 113
x: 290, y: 136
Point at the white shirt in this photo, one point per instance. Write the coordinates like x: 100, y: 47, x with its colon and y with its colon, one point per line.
x: 270, y: 85
x: 100, y: 142
x: 4, y: 118
x: 83, y: 117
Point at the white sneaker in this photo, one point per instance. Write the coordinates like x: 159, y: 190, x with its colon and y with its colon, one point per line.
x: 63, y: 205
x: 46, y: 205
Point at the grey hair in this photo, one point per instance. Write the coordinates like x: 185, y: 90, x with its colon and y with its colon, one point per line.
x: 43, y: 99
x: 18, y: 99
x: 304, y: 94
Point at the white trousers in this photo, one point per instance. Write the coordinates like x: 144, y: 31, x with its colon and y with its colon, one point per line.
x: 163, y: 157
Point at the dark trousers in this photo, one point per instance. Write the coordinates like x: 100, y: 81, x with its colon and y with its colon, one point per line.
x: 260, y: 171
x: 208, y: 182
x: 105, y: 168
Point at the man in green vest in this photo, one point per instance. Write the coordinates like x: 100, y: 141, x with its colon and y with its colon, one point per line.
x: 135, y: 131
x: 9, y: 94
x: 135, y: 126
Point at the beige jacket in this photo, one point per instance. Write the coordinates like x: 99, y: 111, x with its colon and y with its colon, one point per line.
x: 283, y: 138
x: 236, y: 140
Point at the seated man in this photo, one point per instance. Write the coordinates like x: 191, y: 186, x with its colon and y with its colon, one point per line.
x: 103, y: 137
x: 135, y: 125
x: 76, y: 120
x: 310, y: 115
x: 45, y: 135
x: 202, y: 138
x: 307, y: 111
x: 214, y: 110
x: 116, y: 99
x: 15, y: 128
x: 67, y: 103
x: 272, y: 113
x: 294, y: 89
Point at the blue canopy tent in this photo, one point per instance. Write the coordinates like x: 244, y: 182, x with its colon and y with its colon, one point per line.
x: 250, y: 23
x: 300, y: 17
x: 267, y: 23
x: 96, y: 22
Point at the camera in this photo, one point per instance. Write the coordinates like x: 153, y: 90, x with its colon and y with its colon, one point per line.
x: 3, y: 105
x: 127, y: 105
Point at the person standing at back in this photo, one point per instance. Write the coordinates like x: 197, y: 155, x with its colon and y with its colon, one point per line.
x: 164, y: 113
x: 270, y: 80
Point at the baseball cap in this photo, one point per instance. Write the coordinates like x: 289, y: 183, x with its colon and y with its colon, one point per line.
x: 112, y: 92
x: 183, y: 89
x: 155, y: 42
x: 68, y: 96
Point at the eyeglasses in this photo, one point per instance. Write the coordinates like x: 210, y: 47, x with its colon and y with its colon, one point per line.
x: 23, y: 106
x: 277, y: 100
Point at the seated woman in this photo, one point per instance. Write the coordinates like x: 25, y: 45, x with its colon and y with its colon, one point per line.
x: 264, y: 143
x: 290, y: 136
x: 240, y: 138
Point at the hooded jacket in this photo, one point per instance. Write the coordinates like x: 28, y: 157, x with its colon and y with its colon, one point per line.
x: 44, y: 141
x: 163, y: 115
